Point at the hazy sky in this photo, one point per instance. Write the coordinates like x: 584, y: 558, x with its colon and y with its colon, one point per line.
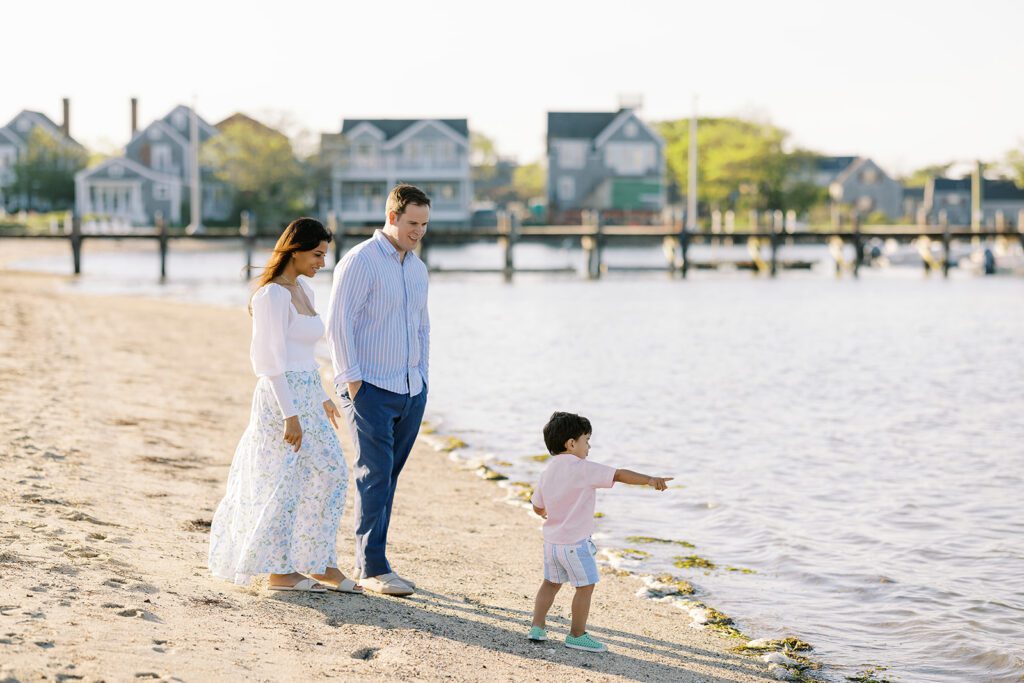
x: 907, y: 83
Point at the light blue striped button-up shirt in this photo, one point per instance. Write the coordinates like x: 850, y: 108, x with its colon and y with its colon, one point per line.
x: 378, y: 329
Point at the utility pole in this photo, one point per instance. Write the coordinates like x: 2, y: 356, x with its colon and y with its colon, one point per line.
x: 691, y: 191
x: 196, y: 203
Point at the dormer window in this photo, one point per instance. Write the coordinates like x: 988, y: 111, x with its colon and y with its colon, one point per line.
x: 179, y: 119
x: 631, y: 129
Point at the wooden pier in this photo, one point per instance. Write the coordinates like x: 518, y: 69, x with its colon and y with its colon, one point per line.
x: 674, y: 240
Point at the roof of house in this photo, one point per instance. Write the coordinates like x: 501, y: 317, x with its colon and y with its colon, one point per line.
x: 952, y: 184
x: 394, y: 127
x: 47, y: 123
x: 1005, y: 190
x: 1002, y: 190
x: 832, y: 164
x: 585, y: 125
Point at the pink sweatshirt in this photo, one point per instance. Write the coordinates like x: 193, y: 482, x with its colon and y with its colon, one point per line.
x: 567, y: 491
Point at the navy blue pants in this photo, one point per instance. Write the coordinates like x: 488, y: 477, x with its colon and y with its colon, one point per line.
x: 384, y: 426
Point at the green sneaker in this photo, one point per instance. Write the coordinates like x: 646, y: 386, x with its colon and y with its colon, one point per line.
x: 537, y: 634
x: 585, y: 642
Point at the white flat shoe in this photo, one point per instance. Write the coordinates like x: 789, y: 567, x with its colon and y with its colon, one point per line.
x: 387, y: 584
x: 346, y: 586
x: 304, y: 586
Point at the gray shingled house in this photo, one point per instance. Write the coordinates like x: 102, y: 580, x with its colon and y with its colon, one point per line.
x: 608, y: 161
x: 154, y: 175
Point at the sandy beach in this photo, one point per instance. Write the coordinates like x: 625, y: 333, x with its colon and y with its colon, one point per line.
x: 120, y: 417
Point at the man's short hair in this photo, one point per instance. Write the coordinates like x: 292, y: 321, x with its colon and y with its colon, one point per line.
x: 564, y: 426
x: 403, y: 195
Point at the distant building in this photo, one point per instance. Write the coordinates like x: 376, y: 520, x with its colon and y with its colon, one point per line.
x: 371, y: 156
x: 153, y: 176
x: 859, y: 183
x: 1001, y: 200
x: 14, y: 139
x: 607, y: 161
x: 913, y: 200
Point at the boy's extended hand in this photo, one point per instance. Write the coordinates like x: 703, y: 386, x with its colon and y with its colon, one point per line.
x: 638, y: 479
x: 540, y: 512
x: 659, y: 483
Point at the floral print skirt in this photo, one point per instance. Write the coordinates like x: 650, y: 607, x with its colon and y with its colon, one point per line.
x: 282, y: 508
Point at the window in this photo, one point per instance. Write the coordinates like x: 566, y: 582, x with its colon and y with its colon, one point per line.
x: 630, y: 158
x: 631, y: 129
x: 24, y: 124
x: 155, y: 133
x: 116, y: 171
x: 869, y: 176
x: 7, y: 157
x: 179, y: 120
x: 566, y: 189
x: 162, y: 159
x: 572, y: 153
x: 161, y: 191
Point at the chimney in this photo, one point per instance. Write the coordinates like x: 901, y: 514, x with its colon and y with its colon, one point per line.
x: 135, y: 116
x: 66, y: 125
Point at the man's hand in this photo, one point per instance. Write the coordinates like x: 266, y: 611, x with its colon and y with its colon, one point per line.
x: 540, y: 512
x: 353, y: 388
x: 332, y: 412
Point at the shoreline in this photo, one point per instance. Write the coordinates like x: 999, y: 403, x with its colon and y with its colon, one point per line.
x: 123, y: 414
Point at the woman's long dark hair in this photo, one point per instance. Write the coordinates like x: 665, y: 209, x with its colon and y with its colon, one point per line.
x: 302, y: 234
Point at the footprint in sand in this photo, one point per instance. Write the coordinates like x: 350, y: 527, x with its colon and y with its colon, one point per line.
x: 136, y: 613
x: 79, y: 516
x: 83, y: 553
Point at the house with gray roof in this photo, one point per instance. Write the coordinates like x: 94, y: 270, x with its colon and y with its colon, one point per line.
x: 607, y: 161
x: 370, y: 156
x: 856, y: 182
x: 1001, y: 200
x: 14, y: 143
x: 153, y: 176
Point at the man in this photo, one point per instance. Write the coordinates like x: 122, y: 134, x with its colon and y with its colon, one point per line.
x: 379, y: 335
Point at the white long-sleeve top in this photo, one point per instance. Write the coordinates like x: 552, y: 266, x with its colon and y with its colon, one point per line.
x: 283, y: 340
x: 378, y: 329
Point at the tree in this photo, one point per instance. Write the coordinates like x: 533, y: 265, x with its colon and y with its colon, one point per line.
x: 44, y: 174
x: 742, y: 164
x: 1015, y: 160
x: 529, y: 181
x: 260, y: 166
x: 921, y: 176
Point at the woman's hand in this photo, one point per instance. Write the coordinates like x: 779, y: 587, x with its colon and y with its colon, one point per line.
x: 332, y: 412
x: 293, y: 432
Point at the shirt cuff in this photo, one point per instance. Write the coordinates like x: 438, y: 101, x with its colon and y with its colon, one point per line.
x: 352, y: 374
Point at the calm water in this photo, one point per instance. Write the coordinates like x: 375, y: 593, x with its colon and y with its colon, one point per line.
x: 857, y: 444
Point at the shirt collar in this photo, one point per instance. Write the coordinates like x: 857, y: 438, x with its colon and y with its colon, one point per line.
x: 384, y: 243
x: 387, y: 248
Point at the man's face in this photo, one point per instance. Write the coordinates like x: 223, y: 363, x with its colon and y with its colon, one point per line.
x: 407, y: 228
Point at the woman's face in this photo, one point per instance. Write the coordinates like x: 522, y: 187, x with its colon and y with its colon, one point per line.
x: 308, y: 262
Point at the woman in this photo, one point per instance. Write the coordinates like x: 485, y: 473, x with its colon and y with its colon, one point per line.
x: 287, y: 484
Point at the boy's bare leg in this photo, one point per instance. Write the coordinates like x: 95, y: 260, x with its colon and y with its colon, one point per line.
x: 545, y: 597
x: 580, y: 610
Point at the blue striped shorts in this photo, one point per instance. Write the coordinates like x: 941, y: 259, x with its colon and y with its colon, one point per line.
x: 573, y: 562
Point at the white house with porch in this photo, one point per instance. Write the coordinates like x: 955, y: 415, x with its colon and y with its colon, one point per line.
x: 371, y: 156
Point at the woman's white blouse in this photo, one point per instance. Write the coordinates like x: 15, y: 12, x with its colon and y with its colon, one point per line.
x: 283, y: 340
